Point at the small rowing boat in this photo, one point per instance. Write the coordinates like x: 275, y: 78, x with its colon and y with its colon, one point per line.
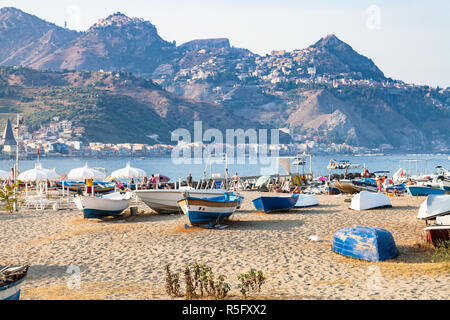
x: 112, y: 204
x: 274, y: 204
x: 209, y: 210
x: 11, y: 279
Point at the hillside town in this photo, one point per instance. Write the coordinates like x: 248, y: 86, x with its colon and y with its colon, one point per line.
x: 61, y: 139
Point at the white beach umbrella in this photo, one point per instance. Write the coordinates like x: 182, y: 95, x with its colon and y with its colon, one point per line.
x: 5, y: 175
x: 85, y: 173
x: 37, y: 174
x: 128, y: 173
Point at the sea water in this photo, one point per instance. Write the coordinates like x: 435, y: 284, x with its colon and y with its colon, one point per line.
x: 244, y: 167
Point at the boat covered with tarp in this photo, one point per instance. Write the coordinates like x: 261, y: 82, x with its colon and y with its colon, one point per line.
x: 365, y: 243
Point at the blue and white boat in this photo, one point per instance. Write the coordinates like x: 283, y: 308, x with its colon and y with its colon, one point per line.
x: 209, y: 210
x: 274, y: 204
x: 11, y: 279
x: 423, y: 190
x: 112, y: 204
x: 366, y: 243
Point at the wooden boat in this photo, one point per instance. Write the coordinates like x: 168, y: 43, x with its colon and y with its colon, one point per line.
x: 369, y: 200
x: 366, y: 243
x: 166, y: 201
x: 437, y: 233
x: 112, y: 204
x: 273, y: 204
x: 77, y: 186
x: 208, y: 210
x: 433, y: 206
x: 345, y: 186
x: 306, y: 200
x: 11, y: 279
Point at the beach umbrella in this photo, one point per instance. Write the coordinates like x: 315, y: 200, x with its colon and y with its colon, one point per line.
x: 85, y: 173
x: 262, y: 180
x: 128, y: 173
x: 5, y: 175
x: 37, y: 174
x: 162, y: 178
x: 324, y: 179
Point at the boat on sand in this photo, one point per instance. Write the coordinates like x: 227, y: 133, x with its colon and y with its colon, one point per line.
x: 369, y: 200
x: 274, y: 204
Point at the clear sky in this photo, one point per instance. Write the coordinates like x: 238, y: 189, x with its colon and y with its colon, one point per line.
x: 408, y: 40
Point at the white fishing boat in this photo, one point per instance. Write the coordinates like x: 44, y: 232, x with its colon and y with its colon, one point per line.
x: 112, y: 204
x: 433, y: 206
x: 165, y: 201
x: 366, y: 200
x: 306, y: 200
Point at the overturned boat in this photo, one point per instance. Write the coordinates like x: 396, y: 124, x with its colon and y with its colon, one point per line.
x: 369, y: 200
x: 365, y: 243
x: 306, y: 200
x: 433, y: 206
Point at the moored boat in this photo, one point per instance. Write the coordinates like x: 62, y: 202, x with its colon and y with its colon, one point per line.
x: 112, y: 204
x: 273, y: 204
x: 11, y: 279
x: 208, y: 210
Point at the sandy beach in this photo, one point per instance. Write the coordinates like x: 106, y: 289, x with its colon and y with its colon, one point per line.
x: 125, y: 258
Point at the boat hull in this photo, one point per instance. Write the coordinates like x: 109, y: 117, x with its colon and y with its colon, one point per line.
x: 99, y: 187
x: 345, y: 186
x: 369, y: 200
x: 437, y: 234
x: 423, y: 191
x: 165, y: 201
x: 206, y: 211
x: 274, y: 204
x: 94, y: 207
x: 365, y: 243
x: 306, y: 200
x: 12, y: 291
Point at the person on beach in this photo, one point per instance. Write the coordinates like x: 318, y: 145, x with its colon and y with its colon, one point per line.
x: 189, y: 180
x: 296, y: 190
x: 235, y: 181
x: 379, y: 184
x: 152, y: 182
x: 385, y: 183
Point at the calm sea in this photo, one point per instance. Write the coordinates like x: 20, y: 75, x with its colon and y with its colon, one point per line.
x: 166, y: 166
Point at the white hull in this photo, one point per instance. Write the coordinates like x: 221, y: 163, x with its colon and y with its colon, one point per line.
x: 163, y: 201
x: 306, y: 200
x: 369, y: 200
x: 434, y: 205
x: 112, y: 202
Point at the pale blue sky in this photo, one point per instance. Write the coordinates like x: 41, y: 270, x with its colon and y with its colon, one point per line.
x: 411, y: 42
